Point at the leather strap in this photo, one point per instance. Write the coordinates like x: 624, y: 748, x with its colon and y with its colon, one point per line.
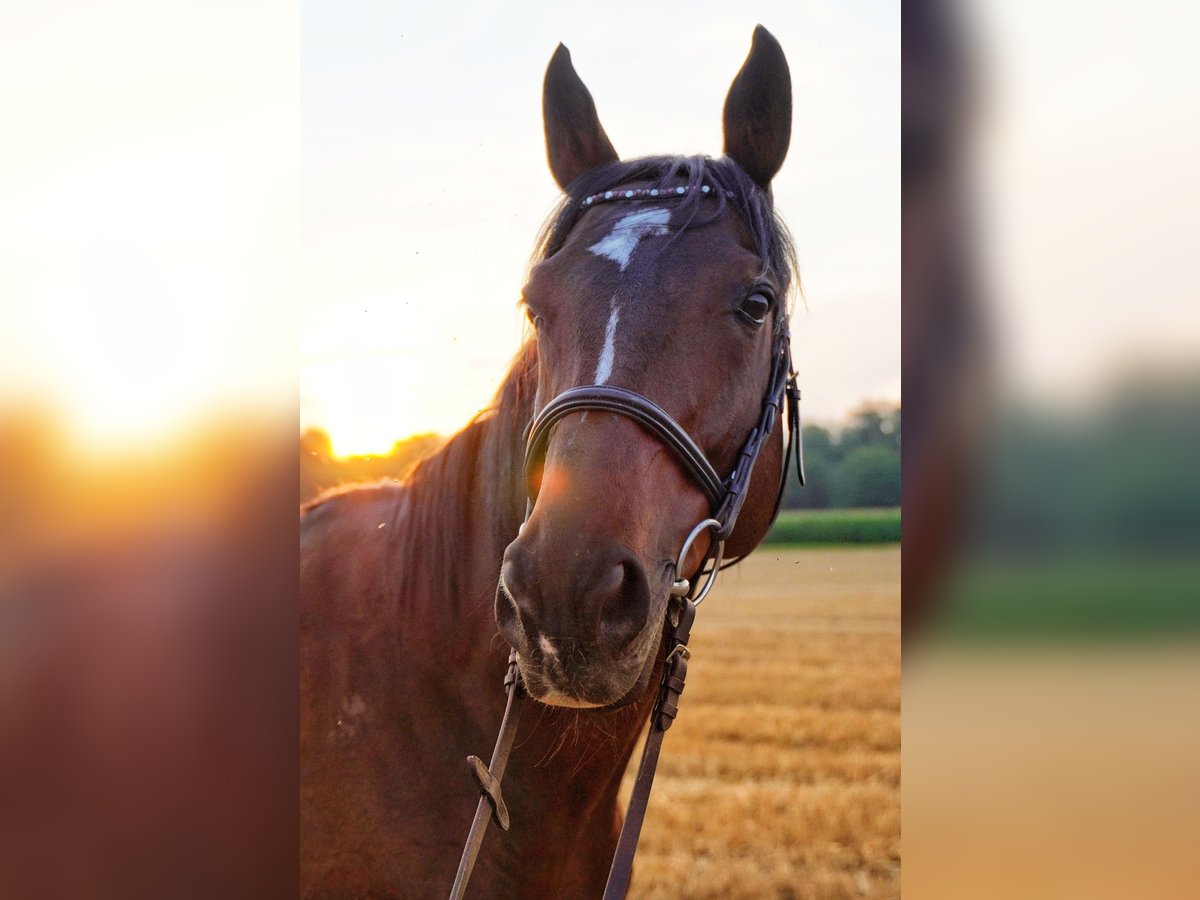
x: 648, y: 414
x: 794, y: 447
x: 738, y: 483
x: 487, y: 778
x: 666, y: 708
x: 725, y: 496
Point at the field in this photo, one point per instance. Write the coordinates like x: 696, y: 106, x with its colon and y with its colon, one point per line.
x: 781, y: 777
x: 836, y: 526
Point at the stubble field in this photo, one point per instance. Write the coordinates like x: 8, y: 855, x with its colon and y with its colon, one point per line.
x: 781, y: 777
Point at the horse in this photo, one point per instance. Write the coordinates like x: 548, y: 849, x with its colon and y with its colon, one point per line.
x: 663, y: 280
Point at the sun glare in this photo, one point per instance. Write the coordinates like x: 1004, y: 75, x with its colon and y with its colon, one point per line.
x: 361, y: 439
x: 364, y: 403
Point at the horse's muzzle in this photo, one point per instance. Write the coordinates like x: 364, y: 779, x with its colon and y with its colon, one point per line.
x: 583, y: 625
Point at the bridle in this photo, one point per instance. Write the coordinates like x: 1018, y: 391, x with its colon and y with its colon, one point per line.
x: 725, y: 496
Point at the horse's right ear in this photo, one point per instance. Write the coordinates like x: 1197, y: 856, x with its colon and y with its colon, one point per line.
x: 575, y: 139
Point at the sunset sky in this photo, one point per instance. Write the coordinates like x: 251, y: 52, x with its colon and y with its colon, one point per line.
x: 149, y: 180
x: 191, y: 192
x: 425, y: 182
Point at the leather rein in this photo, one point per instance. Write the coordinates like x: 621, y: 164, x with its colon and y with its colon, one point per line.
x: 726, y: 497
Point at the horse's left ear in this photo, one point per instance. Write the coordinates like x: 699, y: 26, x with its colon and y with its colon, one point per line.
x: 758, y: 110
x: 575, y: 139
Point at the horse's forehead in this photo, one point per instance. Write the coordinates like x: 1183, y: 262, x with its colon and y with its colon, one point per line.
x: 608, y: 219
x: 605, y: 245
x: 627, y: 232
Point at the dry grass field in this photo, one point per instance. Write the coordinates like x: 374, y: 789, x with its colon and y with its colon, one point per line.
x: 781, y: 777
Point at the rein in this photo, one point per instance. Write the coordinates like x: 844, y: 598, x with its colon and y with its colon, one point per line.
x: 726, y: 497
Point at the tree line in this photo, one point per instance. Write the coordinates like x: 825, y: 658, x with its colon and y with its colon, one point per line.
x: 857, y: 465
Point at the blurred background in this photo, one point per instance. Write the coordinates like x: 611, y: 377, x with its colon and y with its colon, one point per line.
x: 1052, y: 506
x: 149, y: 248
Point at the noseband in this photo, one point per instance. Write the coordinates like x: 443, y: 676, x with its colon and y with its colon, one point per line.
x: 725, y: 497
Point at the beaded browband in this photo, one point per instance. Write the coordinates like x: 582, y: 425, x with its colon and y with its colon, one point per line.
x: 648, y: 194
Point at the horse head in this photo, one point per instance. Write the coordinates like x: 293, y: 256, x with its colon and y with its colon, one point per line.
x: 661, y: 284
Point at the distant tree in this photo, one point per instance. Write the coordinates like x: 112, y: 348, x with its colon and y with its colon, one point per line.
x: 821, y: 455
x: 872, y: 425
x: 819, y: 442
x: 315, y: 443
x: 869, y: 476
x: 410, y: 451
x: 826, y: 453
x: 320, y: 469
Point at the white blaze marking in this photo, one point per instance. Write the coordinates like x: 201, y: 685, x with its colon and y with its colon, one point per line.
x: 547, y: 647
x: 608, y: 354
x: 628, y: 233
x: 618, y: 246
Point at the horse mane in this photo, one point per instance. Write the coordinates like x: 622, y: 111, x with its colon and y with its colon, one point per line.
x: 772, y: 240
x: 484, y: 461
x: 474, y: 484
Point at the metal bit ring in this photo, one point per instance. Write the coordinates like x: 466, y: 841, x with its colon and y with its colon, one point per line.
x: 682, y: 587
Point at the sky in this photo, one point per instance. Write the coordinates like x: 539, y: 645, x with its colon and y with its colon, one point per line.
x: 424, y: 183
x: 244, y: 204
x: 1086, y: 138
x: 149, y: 185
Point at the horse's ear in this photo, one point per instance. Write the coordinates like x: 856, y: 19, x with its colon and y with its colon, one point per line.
x: 758, y: 110
x: 575, y: 139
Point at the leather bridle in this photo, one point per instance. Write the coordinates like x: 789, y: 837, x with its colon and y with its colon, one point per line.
x: 725, y: 496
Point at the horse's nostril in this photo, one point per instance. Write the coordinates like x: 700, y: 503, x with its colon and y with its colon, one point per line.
x: 508, y: 578
x: 622, y: 598
x: 610, y: 583
x: 517, y: 603
x: 521, y: 597
x: 604, y: 599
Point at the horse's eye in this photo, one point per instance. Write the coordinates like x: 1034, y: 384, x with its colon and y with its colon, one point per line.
x: 756, y: 308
